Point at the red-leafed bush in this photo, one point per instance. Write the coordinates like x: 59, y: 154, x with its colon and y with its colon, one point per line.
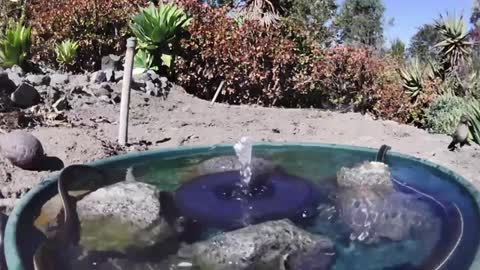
x: 100, y: 27
x: 281, y: 66
x: 256, y: 63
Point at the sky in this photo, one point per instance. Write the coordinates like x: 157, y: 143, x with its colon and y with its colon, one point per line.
x: 409, y: 15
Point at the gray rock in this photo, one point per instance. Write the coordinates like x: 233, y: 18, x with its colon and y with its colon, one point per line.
x: 314, y: 259
x: 61, y: 104
x: 154, y: 77
x: 130, y: 209
x: 151, y: 89
x: 376, y: 213
x: 59, y: 79
x: 79, y: 80
x: 17, y: 70
x: 98, y: 77
x: 78, y: 90
x: 105, y: 98
x: 53, y: 94
x: 132, y: 202
x: 22, y: 149
x: 164, y: 83
x: 261, y: 246
x: 138, y: 85
x: 231, y: 163
x: 38, y: 80
x: 109, y: 75
x: 15, y: 77
x: 141, y: 77
x: 116, y: 98
x: 7, y: 86
x: 103, y: 89
x: 366, y: 174
x: 25, y: 96
x: 118, y: 75
x: 111, y: 62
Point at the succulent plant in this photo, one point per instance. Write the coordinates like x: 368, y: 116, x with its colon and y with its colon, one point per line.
x: 144, y: 60
x: 158, y: 30
x: 474, y: 115
x: 412, y: 78
x: 66, y: 52
x: 15, y: 45
x: 455, y: 46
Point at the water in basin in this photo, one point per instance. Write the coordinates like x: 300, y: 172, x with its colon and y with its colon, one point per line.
x: 450, y: 236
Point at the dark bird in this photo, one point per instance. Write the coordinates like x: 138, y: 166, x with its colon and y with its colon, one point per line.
x: 460, y: 136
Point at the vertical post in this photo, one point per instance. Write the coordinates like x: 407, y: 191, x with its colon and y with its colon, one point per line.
x: 127, y: 81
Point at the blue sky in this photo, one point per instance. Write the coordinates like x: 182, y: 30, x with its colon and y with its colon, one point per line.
x: 411, y: 14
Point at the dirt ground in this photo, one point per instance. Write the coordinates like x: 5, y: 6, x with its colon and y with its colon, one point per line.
x: 182, y: 119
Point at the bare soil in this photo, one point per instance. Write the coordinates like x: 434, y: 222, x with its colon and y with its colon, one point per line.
x: 182, y: 119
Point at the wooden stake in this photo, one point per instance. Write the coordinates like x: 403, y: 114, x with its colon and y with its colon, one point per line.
x: 127, y: 81
x: 216, y: 93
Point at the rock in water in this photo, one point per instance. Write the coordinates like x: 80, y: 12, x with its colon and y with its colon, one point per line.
x: 22, y: 149
x: 315, y: 259
x: 230, y: 163
x: 365, y: 174
x: 122, y: 216
x: 373, y: 214
x: 261, y: 246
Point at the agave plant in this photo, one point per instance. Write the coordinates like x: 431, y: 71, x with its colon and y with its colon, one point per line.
x: 455, y: 46
x: 158, y: 30
x: 474, y: 115
x: 144, y: 60
x: 15, y: 45
x: 412, y: 78
x: 66, y: 52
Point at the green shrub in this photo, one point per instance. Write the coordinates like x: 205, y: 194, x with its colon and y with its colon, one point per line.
x: 158, y: 30
x: 66, y: 52
x: 99, y: 26
x: 445, y: 112
x: 474, y: 115
x: 15, y: 45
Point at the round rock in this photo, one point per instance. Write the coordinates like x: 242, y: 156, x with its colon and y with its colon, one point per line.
x: 262, y: 246
x: 122, y: 216
x: 22, y: 149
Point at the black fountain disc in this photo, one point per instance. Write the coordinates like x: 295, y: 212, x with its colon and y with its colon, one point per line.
x: 213, y: 199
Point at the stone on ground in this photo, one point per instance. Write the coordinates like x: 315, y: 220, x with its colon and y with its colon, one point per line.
x: 25, y: 96
x: 22, y: 149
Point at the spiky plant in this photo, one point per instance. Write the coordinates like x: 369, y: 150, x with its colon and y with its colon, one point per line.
x: 158, y: 30
x: 474, y: 115
x: 144, y: 60
x: 15, y: 45
x: 66, y: 52
x: 412, y: 78
x: 455, y: 46
x: 435, y: 70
